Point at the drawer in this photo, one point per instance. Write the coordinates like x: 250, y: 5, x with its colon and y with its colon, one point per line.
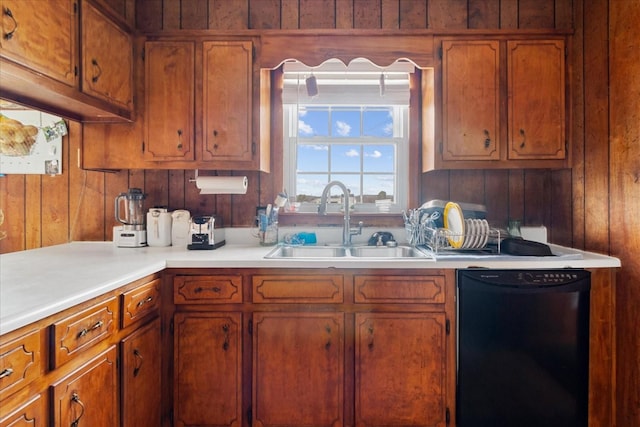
x: 20, y: 362
x: 399, y: 289
x: 29, y: 413
x: 223, y: 289
x: 140, y: 302
x: 80, y: 331
x: 299, y: 288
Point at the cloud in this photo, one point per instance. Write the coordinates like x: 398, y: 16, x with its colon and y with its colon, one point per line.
x: 352, y: 153
x: 388, y: 129
x: 375, y: 154
x: 305, y: 128
x: 343, y: 129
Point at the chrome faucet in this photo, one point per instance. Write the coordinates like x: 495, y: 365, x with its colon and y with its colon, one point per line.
x: 347, y: 232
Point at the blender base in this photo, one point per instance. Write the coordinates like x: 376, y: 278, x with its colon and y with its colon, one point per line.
x: 129, y: 238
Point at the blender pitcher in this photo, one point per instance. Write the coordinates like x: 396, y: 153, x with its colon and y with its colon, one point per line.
x: 129, y: 208
x: 129, y: 212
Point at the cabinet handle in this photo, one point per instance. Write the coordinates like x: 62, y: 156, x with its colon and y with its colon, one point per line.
x: 524, y: 138
x: 225, y: 329
x: 370, y: 345
x: 95, y: 64
x: 487, y: 139
x: 144, y: 301
x: 139, y: 361
x: 6, y: 373
x: 327, y: 328
x: 9, y: 35
x: 85, y: 331
x: 215, y: 132
x: 179, y: 139
x: 76, y: 399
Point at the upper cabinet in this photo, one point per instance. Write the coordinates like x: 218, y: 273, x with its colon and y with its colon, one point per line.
x: 198, y: 110
x: 503, y: 105
x: 221, y: 137
x: 107, y: 59
x: 41, y: 35
x: 471, y: 100
x: 227, y: 106
x: 169, y: 101
x: 536, y: 107
x: 41, y: 46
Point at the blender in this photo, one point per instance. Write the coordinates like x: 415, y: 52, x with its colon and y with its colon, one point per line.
x: 129, y: 212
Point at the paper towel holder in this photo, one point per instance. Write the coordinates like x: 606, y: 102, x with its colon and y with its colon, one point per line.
x: 196, y: 176
x: 234, y: 188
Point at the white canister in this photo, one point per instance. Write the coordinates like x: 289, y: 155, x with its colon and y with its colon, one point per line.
x: 180, y: 235
x: 158, y: 227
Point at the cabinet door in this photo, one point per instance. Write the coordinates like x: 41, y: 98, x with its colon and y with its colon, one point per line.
x: 141, y: 377
x: 400, y: 369
x: 471, y: 100
x: 169, y: 100
x: 41, y: 35
x: 227, y: 77
x: 208, y: 369
x: 107, y: 59
x: 298, y: 369
x: 88, y: 396
x: 536, y: 81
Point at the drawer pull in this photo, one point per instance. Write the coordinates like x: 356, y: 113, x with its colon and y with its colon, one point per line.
x: 85, y: 331
x: 214, y: 289
x: 6, y: 373
x: 144, y: 301
x: 76, y: 399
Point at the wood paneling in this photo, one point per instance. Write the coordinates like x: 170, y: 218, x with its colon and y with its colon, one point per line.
x: 624, y: 198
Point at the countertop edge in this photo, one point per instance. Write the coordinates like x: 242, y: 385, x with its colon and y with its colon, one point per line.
x: 59, y: 282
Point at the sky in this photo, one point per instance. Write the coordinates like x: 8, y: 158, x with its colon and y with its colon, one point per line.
x: 377, y: 160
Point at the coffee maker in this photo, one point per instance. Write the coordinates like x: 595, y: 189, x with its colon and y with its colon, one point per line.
x: 129, y: 211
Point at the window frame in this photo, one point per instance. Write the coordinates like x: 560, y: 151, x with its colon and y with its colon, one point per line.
x: 291, y: 143
x: 422, y: 86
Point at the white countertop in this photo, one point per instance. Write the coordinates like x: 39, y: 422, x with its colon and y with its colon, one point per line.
x: 37, y: 283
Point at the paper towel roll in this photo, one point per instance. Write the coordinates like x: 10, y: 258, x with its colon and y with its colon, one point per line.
x: 222, y: 184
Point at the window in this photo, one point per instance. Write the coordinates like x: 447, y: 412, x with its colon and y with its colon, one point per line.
x: 348, y: 124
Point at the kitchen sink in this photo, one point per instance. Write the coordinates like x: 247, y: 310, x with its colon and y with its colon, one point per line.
x: 386, y: 252
x: 308, y: 252
x: 323, y: 252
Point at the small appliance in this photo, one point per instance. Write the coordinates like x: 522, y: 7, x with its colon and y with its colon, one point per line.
x: 129, y: 212
x: 203, y: 233
x: 180, y: 226
x: 158, y: 227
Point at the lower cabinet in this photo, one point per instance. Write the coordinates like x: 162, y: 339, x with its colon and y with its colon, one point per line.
x: 141, y: 377
x: 207, y: 369
x: 400, y: 369
x: 298, y: 369
x: 30, y: 413
x: 79, y: 368
x: 88, y: 396
x: 315, y: 348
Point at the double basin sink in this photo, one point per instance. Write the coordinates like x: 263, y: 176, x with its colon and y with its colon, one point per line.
x: 329, y: 251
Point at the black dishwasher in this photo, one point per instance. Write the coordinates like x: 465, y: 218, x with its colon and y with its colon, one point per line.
x: 523, y: 348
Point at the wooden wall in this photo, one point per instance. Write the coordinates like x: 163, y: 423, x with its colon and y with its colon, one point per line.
x: 595, y: 205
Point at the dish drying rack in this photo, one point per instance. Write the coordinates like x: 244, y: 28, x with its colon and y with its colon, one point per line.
x: 437, y: 239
